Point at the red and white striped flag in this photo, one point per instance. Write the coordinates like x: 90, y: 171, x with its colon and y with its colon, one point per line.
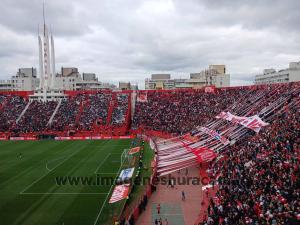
x: 134, y: 150
x: 120, y: 192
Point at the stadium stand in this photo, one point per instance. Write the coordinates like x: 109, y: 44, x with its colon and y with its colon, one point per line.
x: 256, y: 177
x: 174, y: 112
x: 36, y: 117
x: 95, y: 111
x: 11, y: 108
x: 259, y: 178
x: 179, y: 112
x: 120, y: 110
x: 66, y: 114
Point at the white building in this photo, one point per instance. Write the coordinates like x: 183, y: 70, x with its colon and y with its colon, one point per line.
x: 215, y: 75
x: 67, y: 79
x: 89, y: 81
x: 270, y: 76
x: 5, y: 85
x: 25, y: 80
x: 70, y: 79
x: 159, y: 81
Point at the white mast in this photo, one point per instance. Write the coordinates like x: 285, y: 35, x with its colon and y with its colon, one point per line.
x: 41, y: 70
x: 47, y: 75
x: 52, y: 62
x: 46, y: 65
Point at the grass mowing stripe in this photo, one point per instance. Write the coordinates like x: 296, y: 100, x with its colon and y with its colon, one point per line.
x: 8, y: 158
x: 48, y: 204
x: 49, y: 171
x: 106, y: 157
x: 78, y: 164
x: 97, y: 218
x: 27, y: 163
x: 43, y: 198
x: 74, y: 168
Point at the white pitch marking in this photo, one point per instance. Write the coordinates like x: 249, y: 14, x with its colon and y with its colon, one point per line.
x: 97, y: 218
x: 102, y: 162
x: 48, y: 172
x: 53, y: 161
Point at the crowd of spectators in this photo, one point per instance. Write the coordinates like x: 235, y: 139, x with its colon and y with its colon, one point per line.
x: 95, y: 111
x: 175, y: 111
x: 9, y: 113
x: 36, y: 117
x: 2, y: 99
x: 65, y: 116
x: 259, y: 177
x: 77, y: 113
x: 179, y: 112
x: 120, y: 110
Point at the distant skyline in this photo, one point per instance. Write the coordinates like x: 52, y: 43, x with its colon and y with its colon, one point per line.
x: 128, y: 40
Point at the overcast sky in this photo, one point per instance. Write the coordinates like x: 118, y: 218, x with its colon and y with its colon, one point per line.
x: 131, y: 39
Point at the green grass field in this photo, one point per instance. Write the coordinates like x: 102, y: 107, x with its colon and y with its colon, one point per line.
x: 30, y: 195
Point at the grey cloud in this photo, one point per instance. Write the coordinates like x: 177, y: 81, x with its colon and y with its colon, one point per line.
x: 24, y: 16
x: 130, y: 39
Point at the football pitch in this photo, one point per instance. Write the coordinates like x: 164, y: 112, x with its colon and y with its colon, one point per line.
x: 33, y: 187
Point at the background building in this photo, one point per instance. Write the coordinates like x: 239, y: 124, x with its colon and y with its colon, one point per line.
x: 215, y: 75
x: 220, y: 69
x: 159, y: 81
x: 5, y: 85
x: 67, y: 79
x: 127, y: 86
x: 25, y: 80
x: 269, y: 76
x: 89, y: 81
x: 71, y: 79
x: 124, y: 86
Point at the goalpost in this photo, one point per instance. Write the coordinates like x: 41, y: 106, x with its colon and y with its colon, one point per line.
x: 125, y: 157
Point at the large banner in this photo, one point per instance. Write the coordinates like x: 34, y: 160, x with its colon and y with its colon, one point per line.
x: 204, y: 154
x: 142, y: 97
x: 191, y: 138
x: 134, y: 150
x: 126, y: 174
x: 210, y: 89
x: 254, y: 123
x: 215, y: 135
x: 120, y: 192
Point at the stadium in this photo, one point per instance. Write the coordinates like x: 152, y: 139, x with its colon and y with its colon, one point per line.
x: 245, y: 140
x: 199, y: 151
